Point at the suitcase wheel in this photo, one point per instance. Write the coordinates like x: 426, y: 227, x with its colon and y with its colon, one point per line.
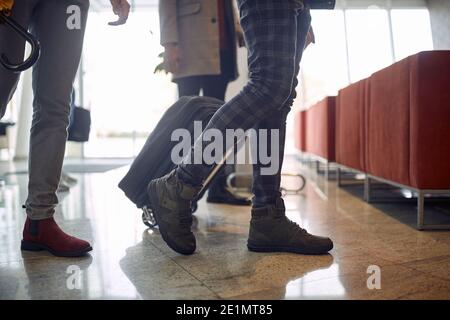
x: 147, y: 217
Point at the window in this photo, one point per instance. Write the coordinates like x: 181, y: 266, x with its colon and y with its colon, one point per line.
x: 125, y: 98
x: 369, y: 44
x: 355, y: 40
x: 411, y: 31
x: 324, y: 64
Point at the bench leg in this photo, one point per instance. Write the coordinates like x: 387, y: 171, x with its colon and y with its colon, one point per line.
x: 338, y: 176
x: 420, y: 210
x: 367, y: 188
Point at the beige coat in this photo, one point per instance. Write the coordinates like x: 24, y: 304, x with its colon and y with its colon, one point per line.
x: 193, y: 25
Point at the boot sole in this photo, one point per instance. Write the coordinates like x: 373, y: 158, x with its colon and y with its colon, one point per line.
x: 34, y: 246
x: 289, y: 250
x: 162, y: 230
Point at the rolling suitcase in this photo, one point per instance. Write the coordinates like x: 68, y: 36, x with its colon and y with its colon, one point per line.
x: 154, y: 159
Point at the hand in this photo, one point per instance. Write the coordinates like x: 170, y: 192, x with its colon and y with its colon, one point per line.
x: 172, y: 58
x: 121, y: 8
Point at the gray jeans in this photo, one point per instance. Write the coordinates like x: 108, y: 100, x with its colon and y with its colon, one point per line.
x: 53, y: 77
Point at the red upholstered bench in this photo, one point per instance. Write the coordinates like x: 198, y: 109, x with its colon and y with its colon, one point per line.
x: 408, y: 126
x: 320, y: 129
x: 320, y: 132
x: 430, y: 120
x: 351, y: 105
x: 300, y: 130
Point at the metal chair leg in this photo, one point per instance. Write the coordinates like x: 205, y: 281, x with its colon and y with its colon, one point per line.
x: 367, y: 188
x: 338, y: 176
x: 420, y: 210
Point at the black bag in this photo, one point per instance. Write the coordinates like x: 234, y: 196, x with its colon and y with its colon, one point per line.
x: 321, y: 4
x: 154, y: 159
x: 80, y: 125
x: 4, y: 126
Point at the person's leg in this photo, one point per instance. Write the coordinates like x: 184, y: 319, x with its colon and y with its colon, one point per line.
x: 218, y: 191
x: 266, y: 188
x: 53, y: 78
x: 189, y: 86
x: 216, y: 86
x: 270, y: 29
x: 270, y: 229
x: 13, y: 46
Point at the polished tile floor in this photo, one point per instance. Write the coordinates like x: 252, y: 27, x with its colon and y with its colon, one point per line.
x: 130, y: 261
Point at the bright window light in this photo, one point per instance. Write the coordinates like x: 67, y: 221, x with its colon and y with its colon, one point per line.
x: 412, y: 32
x: 126, y: 98
x: 324, y: 64
x: 369, y: 43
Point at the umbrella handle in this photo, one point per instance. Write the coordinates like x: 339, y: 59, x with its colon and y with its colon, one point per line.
x: 35, y: 46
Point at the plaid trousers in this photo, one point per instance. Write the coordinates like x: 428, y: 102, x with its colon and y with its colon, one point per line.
x: 275, y: 34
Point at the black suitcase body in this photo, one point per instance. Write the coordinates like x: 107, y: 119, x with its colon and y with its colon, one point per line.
x: 154, y: 159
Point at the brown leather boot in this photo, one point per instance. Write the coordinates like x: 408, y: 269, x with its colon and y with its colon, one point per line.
x: 272, y: 231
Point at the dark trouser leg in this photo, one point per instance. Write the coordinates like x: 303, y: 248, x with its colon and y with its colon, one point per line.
x: 215, y: 86
x: 212, y: 86
x: 53, y: 78
x: 266, y: 188
x: 189, y: 86
x: 270, y: 29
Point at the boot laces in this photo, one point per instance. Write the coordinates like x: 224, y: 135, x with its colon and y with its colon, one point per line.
x: 295, y: 226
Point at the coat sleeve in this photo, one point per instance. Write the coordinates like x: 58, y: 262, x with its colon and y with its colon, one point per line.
x: 168, y: 21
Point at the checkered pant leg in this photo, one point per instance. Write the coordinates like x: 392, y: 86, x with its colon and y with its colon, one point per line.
x: 271, y: 29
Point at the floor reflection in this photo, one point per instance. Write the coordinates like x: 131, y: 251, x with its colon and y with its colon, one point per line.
x: 306, y: 288
x: 155, y: 276
x: 57, y: 278
x: 130, y: 261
